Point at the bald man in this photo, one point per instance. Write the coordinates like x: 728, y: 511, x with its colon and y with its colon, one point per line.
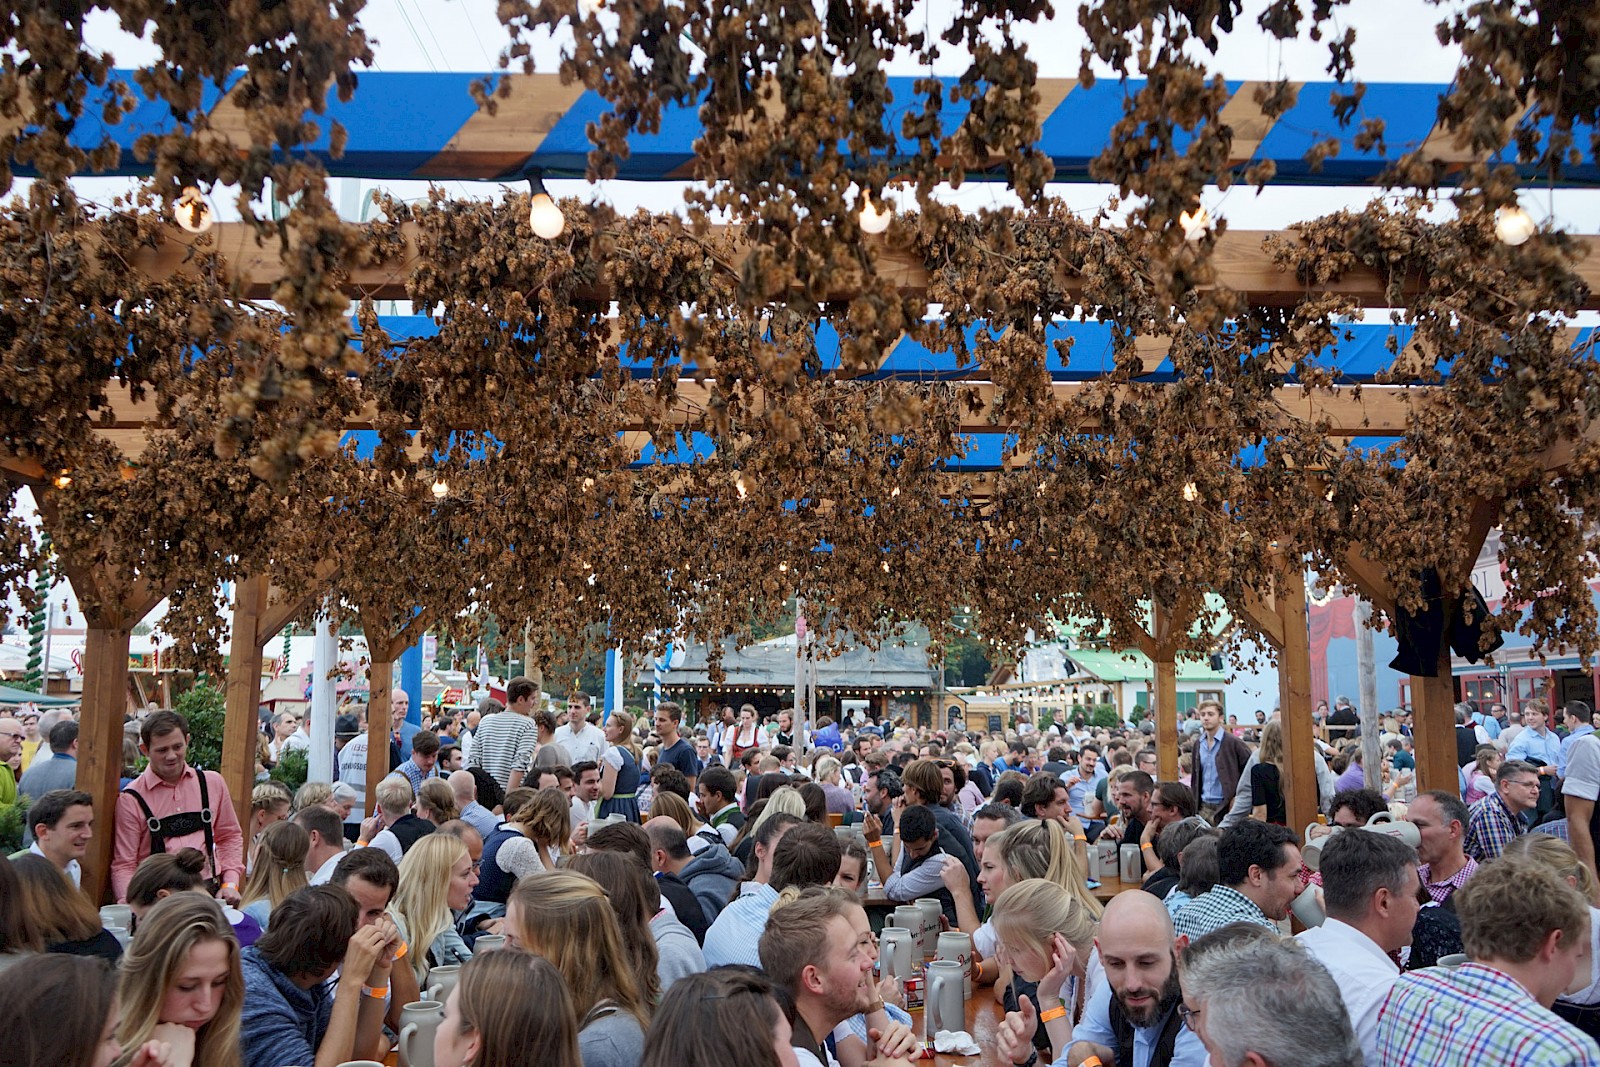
x: 11, y: 737
x: 1137, y: 1004
x: 400, y: 731
x: 475, y: 815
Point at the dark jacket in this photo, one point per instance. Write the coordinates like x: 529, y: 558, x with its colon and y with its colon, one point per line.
x: 684, y: 904
x: 713, y: 876
x: 1232, y: 755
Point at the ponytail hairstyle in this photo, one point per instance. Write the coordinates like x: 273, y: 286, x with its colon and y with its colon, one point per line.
x: 280, y: 864
x: 1038, y: 848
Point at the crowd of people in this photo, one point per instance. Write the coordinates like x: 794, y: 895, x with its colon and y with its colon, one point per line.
x: 607, y: 891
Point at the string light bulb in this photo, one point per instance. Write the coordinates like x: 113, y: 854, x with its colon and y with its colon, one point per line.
x: 63, y: 479
x: 441, y: 489
x: 192, y: 211
x: 1191, y: 492
x: 1195, y: 224
x: 875, y: 218
x: 1513, y: 226
x: 544, y: 216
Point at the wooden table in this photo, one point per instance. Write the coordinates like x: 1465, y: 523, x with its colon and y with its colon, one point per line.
x: 983, y: 1023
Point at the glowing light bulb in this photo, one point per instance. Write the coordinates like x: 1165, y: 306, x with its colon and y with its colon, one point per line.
x: 441, y: 489
x: 739, y: 486
x: 545, y: 218
x: 894, y: 492
x: 1513, y: 225
x: 192, y: 211
x: 885, y: 566
x: 783, y: 568
x: 63, y: 479
x: 1195, y: 223
x: 875, y: 219
x: 1191, y: 492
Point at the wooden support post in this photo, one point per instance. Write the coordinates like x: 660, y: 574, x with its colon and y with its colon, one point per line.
x: 1433, y: 722
x: 105, y: 699
x: 242, y: 727
x: 1294, y: 700
x: 381, y: 675
x: 1166, y: 691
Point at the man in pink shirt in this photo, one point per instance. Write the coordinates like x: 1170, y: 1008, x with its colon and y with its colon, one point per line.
x: 171, y: 806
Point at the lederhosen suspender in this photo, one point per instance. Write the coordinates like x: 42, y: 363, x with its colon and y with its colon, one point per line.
x: 181, y: 824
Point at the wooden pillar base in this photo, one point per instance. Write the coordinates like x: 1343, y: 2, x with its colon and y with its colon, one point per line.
x: 105, y: 699
x: 1433, y: 720
x: 1294, y: 701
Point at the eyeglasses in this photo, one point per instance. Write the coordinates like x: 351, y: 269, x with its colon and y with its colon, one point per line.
x: 16, y: 737
x: 1189, y: 1015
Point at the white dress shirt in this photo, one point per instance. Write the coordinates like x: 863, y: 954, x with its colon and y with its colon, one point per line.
x: 585, y: 746
x: 1361, y: 970
x: 74, y: 868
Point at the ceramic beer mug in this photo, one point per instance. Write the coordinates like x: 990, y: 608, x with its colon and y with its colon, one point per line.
x: 895, y: 951
x: 957, y: 946
x: 418, y: 1021
x: 909, y: 916
x: 944, y: 1007
x: 1108, y: 858
x: 489, y: 942
x: 932, y: 913
x: 1132, y: 870
x: 441, y: 980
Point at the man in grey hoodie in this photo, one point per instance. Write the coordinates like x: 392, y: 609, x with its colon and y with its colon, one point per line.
x: 712, y: 875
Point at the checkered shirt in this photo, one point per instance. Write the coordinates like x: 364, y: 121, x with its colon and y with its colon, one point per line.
x: 1217, y: 908
x: 1474, y: 1016
x: 1491, y: 827
x: 1441, y: 891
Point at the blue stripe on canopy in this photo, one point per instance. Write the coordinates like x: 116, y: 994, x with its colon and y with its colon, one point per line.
x: 426, y: 125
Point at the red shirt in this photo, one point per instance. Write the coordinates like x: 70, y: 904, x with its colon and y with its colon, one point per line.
x: 132, y: 835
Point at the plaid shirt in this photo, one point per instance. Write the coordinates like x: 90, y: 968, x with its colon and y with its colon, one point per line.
x: 1441, y: 891
x: 1491, y: 827
x: 1217, y: 908
x: 1475, y: 1016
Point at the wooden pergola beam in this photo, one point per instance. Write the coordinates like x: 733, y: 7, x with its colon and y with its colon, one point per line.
x: 1240, y: 262
x: 1376, y: 411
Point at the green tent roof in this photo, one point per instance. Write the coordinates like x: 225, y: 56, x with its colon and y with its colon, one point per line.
x: 1136, y: 666
x: 10, y: 696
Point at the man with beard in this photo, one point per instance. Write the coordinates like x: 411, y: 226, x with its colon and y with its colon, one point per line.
x: 820, y: 949
x: 1132, y: 1019
x: 1259, y: 865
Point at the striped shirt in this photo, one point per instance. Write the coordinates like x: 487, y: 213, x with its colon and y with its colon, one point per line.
x: 504, y: 743
x: 735, y: 936
x: 1475, y: 1016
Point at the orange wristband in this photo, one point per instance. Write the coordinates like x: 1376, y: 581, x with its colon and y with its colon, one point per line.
x: 1057, y: 1012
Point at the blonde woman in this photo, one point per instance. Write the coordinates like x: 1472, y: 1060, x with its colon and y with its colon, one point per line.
x: 269, y: 804
x: 566, y: 918
x: 1034, y: 848
x: 619, y: 770
x: 312, y: 793
x: 280, y: 869
x: 786, y: 800
x: 436, y: 879
x: 180, y: 982
x: 436, y: 802
x: 1044, y: 935
x: 1266, y: 777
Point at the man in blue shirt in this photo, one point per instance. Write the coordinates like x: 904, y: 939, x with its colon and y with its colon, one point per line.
x: 1577, y: 715
x: 1537, y: 743
x: 1135, y: 1008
